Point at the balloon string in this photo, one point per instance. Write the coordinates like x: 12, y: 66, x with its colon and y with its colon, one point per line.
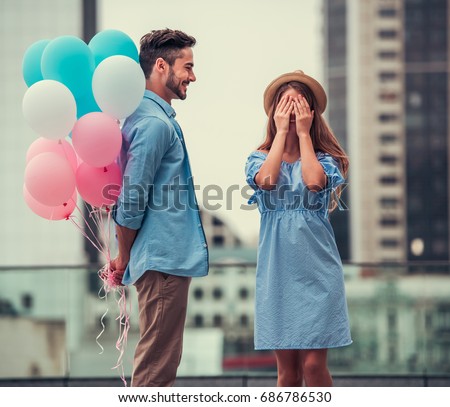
x: 96, y: 223
x: 105, y: 273
x: 71, y: 218
x: 104, y: 229
x: 124, y: 316
x: 98, y: 244
x: 124, y: 326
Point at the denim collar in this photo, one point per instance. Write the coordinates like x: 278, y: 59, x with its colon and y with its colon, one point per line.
x: 169, y: 110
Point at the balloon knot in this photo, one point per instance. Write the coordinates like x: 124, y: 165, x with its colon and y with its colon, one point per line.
x: 105, y: 169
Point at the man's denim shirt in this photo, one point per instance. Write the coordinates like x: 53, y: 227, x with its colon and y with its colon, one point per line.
x: 158, y: 197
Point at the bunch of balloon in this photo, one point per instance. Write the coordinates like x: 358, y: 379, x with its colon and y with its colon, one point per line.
x: 77, y: 94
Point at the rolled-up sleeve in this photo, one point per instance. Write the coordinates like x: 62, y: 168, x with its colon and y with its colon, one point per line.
x: 148, y: 145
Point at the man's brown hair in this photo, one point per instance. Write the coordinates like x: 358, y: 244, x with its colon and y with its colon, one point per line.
x: 166, y: 44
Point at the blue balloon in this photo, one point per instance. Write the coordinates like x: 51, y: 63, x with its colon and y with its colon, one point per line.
x: 69, y: 60
x: 112, y: 42
x: 31, y: 63
x: 87, y: 104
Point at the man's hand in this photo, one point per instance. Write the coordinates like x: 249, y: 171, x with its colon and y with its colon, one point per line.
x: 117, y: 268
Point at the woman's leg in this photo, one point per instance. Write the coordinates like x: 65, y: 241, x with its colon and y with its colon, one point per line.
x: 289, y: 368
x: 315, y: 368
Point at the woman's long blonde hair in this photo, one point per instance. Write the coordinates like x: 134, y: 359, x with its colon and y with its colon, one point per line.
x: 322, y: 137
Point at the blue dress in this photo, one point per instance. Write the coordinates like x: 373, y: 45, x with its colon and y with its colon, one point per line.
x: 300, y: 293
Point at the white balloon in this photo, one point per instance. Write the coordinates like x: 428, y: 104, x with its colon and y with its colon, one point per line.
x: 50, y: 109
x: 118, y: 85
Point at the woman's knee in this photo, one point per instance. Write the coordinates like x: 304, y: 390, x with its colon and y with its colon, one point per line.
x: 314, y: 364
x: 289, y: 368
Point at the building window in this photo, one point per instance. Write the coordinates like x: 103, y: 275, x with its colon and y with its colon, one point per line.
x: 244, y: 321
x: 243, y: 293
x: 388, y: 159
x: 388, y: 138
x: 392, y: 320
x: 388, y: 54
x: 198, y: 321
x: 387, y: 76
x: 439, y: 246
x: 387, y: 12
x: 218, y: 240
x: 217, y: 320
x: 217, y: 293
x: 27, y: 301
x: 428, y: 320
x: 389, y: 202
x: 390, y: 243
x: 198, y: 293
x: 389, y: 180
x: 443, y: 318
x: 387, y: 117
x: 388, y: 96
x: 388, y: 222
x: 387, y: 34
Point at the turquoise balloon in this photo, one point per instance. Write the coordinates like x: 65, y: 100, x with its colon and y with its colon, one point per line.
x: 31, y: 63
x: 87, y: 104
x: 69, y: 60
x: 112, y: 42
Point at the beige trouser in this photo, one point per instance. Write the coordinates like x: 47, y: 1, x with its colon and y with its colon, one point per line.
x: 162, y: 301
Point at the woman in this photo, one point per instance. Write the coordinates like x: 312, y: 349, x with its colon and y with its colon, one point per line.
x: 301, y: 309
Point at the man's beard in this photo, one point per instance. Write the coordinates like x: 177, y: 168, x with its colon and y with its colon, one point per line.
x: 173, y: 86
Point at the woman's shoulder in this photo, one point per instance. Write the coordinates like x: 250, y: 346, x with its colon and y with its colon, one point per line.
x: 259, y: 154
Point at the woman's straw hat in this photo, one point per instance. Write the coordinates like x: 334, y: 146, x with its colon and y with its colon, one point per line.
x: 297, y: 76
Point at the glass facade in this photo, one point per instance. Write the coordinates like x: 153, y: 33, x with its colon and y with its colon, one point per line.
x: 336, y: 56
x: 426, y: 127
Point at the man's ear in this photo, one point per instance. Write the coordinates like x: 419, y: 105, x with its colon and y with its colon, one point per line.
x: 160, y: 65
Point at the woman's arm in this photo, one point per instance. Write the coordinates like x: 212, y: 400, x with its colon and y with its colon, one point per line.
x: 312, y: 171
x: 267, y: 176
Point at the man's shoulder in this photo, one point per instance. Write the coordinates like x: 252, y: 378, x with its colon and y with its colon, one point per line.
x: 145, y: 120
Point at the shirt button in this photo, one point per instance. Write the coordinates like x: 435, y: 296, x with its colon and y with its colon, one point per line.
x: 205, y: 245
x: 199, y: 225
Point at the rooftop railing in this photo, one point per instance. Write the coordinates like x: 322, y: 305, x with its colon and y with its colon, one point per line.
x: 56, y: 326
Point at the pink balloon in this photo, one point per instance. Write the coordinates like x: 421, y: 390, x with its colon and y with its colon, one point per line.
x: 50, y: 179
x: 61, y: 147
x: 97, y: 139
x: 99, y: 186
x: 50, y: 212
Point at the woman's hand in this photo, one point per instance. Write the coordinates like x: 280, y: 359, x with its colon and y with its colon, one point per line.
x: 283, y: 113
x: 303, y: 116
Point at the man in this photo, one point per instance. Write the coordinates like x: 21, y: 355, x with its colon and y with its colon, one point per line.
x: 160, y: 235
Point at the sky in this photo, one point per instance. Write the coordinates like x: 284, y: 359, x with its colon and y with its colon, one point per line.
x: 241, y: 46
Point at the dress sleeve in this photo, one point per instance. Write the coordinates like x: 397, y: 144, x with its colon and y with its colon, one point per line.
x: 252, y: 167
x: 332, y: 170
